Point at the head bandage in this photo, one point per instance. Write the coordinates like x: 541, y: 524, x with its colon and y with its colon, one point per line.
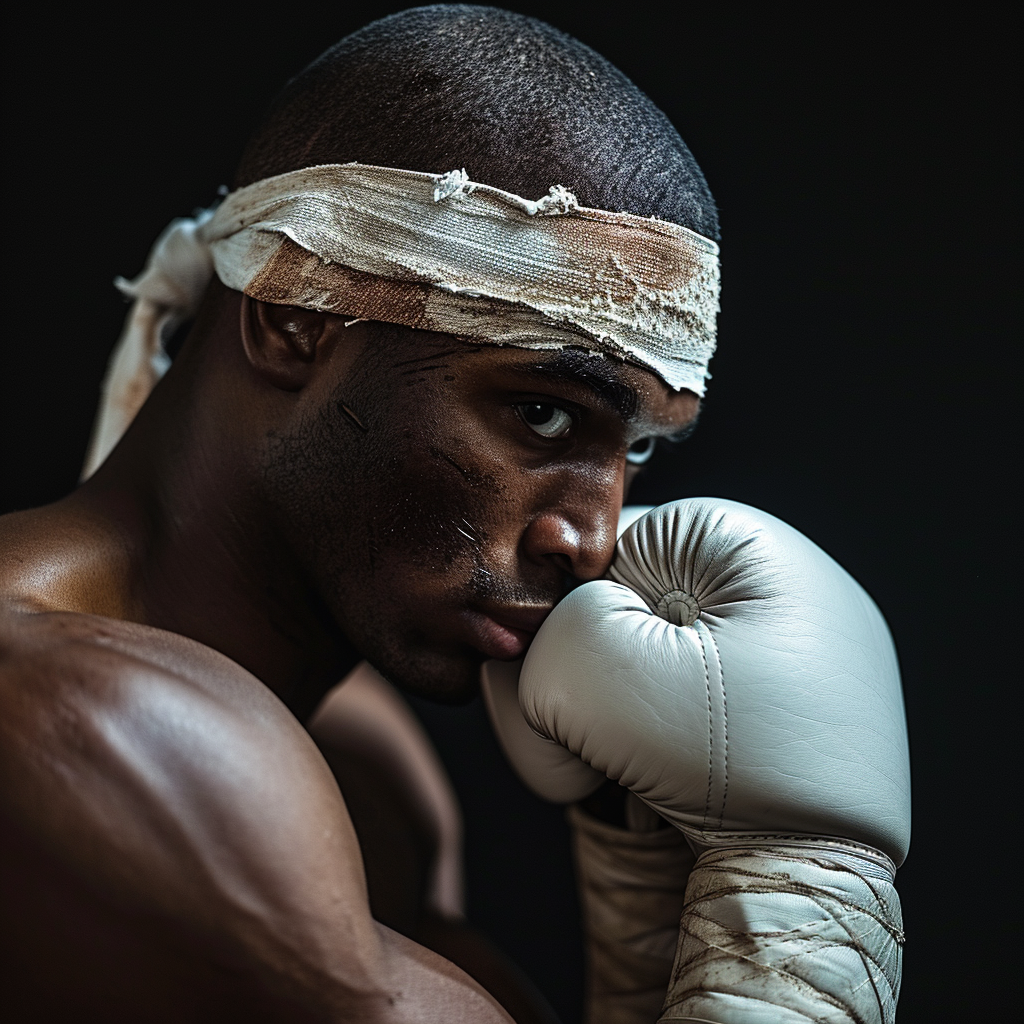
x: 432, y: 252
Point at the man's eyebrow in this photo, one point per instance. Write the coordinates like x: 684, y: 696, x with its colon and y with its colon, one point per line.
x: 593, y: 372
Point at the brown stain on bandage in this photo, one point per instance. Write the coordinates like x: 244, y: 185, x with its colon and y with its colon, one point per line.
x: 295, y: 277
x: 648, y: 259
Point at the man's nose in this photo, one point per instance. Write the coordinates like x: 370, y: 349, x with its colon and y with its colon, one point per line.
x: 578, y: 536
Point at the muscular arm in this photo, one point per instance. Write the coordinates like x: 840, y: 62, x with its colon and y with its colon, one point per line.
x: 407, y: 820
x: 175, y: 793
x: 398, y: 795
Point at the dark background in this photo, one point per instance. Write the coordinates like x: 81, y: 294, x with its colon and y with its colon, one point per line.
x: 865, y: 167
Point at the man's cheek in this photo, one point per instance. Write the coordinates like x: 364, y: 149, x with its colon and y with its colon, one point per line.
x: 438, y: 509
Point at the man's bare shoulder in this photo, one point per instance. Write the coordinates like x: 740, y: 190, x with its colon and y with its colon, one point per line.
x: 170, y: 780
x: 90, y: 701
x: 182, y: 793
x: 69, y: 663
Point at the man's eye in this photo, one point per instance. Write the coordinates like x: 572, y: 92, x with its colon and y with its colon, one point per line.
x: 637, y: 454
x: 545, y: 419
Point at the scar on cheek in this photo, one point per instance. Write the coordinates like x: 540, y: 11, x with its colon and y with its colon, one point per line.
x: 473, y: 477
x: 432, y: 356
x: 345, y: 410
x: 439, y: 454
x: 469, y: 531
x: 423, y: 369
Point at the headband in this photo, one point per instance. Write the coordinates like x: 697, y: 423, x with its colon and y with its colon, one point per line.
x: 432, y: 252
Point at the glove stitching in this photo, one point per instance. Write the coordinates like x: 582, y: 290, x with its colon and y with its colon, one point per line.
x: 711, y: 731
x: 725, y: 728
x: 705, y: 634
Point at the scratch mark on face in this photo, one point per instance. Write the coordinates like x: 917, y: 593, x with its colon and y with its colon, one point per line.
x: 424, y: 369
x: 352, y: 416
x: 433, y: 355
x: 466, y: 474
x: 472, y: 534
x: 469, y: 534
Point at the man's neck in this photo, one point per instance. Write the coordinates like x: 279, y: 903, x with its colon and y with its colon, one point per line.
x: 174, y: 541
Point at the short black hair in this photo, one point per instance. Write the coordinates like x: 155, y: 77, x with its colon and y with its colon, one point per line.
x: 519, y: 104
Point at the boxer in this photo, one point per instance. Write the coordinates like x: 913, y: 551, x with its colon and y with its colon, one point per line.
x: 400, y: 429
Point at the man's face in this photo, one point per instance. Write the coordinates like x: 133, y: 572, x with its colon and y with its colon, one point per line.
x: 444, y: 497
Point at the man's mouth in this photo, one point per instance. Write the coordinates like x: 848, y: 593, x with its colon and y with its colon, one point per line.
x: 504, y: 632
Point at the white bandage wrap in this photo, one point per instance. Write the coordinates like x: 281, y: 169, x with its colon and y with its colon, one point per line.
x: 166, y: 293
x: 431, y: 252
x: 788, y: 932
x: 631, y: 886
x: 442, y: 253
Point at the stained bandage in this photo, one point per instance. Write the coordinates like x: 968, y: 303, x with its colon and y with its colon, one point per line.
x: 788, y: 932
x: 434, y: 252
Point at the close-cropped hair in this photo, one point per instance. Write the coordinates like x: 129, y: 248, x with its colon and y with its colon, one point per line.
x: 519, y: 104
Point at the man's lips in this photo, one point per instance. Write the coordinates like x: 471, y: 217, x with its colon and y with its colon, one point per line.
x: 505, y: 631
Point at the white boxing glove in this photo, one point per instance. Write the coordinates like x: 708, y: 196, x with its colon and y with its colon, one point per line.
x: 737, y: 680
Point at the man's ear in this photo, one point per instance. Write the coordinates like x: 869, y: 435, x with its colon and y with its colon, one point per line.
x: 284, y: 344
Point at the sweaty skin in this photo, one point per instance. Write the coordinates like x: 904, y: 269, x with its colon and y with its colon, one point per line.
x: 295, y: 496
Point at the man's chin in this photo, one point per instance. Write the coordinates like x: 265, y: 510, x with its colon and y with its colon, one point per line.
x: 448, y: 681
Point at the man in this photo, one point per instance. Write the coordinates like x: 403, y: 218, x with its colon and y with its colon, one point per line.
x: 352, y: 457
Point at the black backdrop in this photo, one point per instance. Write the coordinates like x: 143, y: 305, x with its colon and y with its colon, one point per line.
x: 863, y: 166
